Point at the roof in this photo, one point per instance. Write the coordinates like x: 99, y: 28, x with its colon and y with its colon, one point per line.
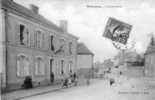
x: 83, y: 50
x: 15, y: 8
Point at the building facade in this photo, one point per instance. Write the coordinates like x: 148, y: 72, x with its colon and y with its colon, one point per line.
x: 85, y: 59
x: 149, y: 68
x: 33, y: 46
x: 128, y: 57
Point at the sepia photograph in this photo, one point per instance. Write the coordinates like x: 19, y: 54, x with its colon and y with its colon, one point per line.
x: 77, y: 50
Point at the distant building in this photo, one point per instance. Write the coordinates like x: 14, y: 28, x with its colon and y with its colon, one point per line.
x: 150, y: 60
x: 85, y: 58
x: 108, y: 63
x: 129, y: 63
x: 128, y: 57
x: 33, y: 46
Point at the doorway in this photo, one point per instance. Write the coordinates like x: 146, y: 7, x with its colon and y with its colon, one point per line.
x: 51, y: 71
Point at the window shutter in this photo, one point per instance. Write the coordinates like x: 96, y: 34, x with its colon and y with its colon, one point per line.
x: 22, y: 65
x: 37, y: 36
x: 49, y: 42
x: 17, y: 27
x: 43, y: 41
x: 40, y: 40
x: 35, y: 39
x: 69, y: 67
x: 31, y: 38
x: 18, y: 66
x: 39, y: 65
x: 28, y: 37
x: 36, y: 67
x: 26, y: 67
x: 25, y: 36
x: 42, y: 68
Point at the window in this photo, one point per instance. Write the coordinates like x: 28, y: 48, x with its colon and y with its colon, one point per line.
x: 22, y: 66
x: 70, y: 48
x: 51, y: 65
x: 62, y: 66
x: 62, y: 45
x: 61, y: 48
x: 23, y: 35
x: 39, y: 66
x: 39, y: 39
x: 70, y: 66
x: 52, y: 46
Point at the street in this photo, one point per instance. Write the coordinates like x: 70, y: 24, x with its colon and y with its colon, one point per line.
x: 101, y: 90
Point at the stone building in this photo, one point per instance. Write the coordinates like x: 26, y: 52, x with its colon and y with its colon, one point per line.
x: 127, y: 57
x: 33, y: 46
x: 85, y: 59
x: 150, y: 59
x: 128, y: 64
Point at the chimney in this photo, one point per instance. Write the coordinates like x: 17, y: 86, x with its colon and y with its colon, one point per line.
x: 63, y: 25
x: 34, y: 8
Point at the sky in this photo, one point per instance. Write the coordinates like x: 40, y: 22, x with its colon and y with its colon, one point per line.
x: 87, y: 20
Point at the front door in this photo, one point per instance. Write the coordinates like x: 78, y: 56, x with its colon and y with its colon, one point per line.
x: 51, y: 70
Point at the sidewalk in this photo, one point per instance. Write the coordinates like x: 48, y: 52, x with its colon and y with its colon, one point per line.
x: 25, y: 93
x: 20, y: 94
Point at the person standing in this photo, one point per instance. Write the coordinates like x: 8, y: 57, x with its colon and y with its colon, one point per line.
x: 75, y: 79
x: 52, y: 77
x: 112, y: 81
x: 87, y: 79
x: 74, y: 76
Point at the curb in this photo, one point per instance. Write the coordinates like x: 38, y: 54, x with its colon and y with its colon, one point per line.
x: 41, y: 93
x: 5, y: 97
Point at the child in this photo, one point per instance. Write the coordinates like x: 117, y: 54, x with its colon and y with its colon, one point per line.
x: 88, y: 81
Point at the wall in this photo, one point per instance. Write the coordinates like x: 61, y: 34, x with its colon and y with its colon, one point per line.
x: 84, y: 61
x: 150, y: 64
x: 129, y: 71
x: 137, y: 71
x: 2, y: 47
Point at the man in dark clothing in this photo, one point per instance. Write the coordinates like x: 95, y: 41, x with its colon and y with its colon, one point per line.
x: 112, y: 81
x: 120, y: 73
x: 75, y: 79
x: 27, y: 82
x: 52, y: 77
x: 74, y: 76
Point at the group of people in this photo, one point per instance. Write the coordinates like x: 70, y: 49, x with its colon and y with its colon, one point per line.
x: 71, y: 80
